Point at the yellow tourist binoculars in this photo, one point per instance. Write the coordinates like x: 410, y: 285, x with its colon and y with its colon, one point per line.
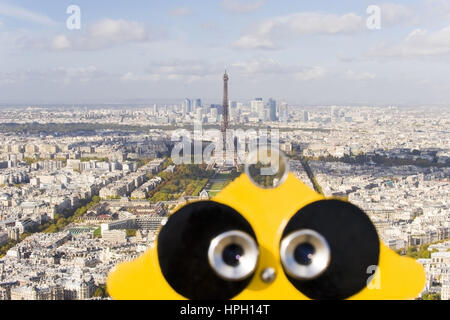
x: 253, y: 243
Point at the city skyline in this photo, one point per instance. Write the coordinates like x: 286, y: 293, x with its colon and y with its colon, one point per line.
x: 145, y: 52
x: 83, y: 190
x: 125, y: 145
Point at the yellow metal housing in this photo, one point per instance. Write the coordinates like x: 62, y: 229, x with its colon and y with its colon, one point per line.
x: 268, y: 211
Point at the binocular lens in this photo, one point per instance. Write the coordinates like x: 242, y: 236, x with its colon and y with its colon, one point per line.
x: 305, y: 254
x: 233, y: 255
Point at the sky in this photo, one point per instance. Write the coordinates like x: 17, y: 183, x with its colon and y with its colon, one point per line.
x: 303, y: 52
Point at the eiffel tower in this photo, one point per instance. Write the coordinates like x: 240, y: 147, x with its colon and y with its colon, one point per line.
x: 226, y: 124
x: 225, y: 111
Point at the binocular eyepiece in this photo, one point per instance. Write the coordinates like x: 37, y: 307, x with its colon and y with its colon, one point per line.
x: 233, y: 255
x: 305, y: 254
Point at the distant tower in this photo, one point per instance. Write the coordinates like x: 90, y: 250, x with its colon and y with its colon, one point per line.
x: 273, y: 110
x: 225, y: 110
x: 227, y: 144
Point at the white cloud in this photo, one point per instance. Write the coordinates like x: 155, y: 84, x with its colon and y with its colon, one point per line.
x: 419, y: 43
x: 258, y: 67
x: 78, y: 73
x: 196, y: 70
x: 113, y: 31
x: 180, y: 12
x: 21, y: 76
x: 265, y: 35
x: 7, y: 78
x: 271, y: 67
x: 242, y: 6
x: 254, y: 42
x: 393, y: 14
x: 352, y: 75
x: 309, y: 74
x: 58, y: 75
x: 103, y: 34
x: 437, y: 9
x: 60, y: 42
x: 24, y: 14
x: 131, y: 76
x: 183, y: 70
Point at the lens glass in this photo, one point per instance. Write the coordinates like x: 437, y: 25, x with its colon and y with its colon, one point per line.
x: 304, y: 253
x: 267, y: 168
x: 232, y: 254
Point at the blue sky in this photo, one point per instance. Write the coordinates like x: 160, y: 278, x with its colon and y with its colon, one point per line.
x: 304, y: 52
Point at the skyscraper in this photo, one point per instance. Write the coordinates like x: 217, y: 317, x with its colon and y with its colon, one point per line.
x: 198, y: 104
x: 273, y: 110
x: 257, y: 106
x: 306, y: 116
x: 187, y: 106
x: 284, y: 112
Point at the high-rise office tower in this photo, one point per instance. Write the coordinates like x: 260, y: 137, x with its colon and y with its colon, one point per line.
x: 197, y: 104
x: 255, y: 105
x: 199, y: 114
x: 283, y: 112
x: 306, y: 116
x: 187, y: 106
x: 273, y: 110
x: 214, y: 114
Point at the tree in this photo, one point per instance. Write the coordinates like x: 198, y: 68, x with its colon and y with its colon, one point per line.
x: 24, y: 235
x: 98, y: 233
x: 61, y: 223
x: 101, y: 292
x: 4, y: 249
x: 52, y: 229
x: 412, y: 252
x: 131, y: 233
x: 431, y: 296
x: 98, y: 293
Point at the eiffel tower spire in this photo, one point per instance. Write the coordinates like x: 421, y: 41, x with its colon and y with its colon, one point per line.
x: 225, y: 105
